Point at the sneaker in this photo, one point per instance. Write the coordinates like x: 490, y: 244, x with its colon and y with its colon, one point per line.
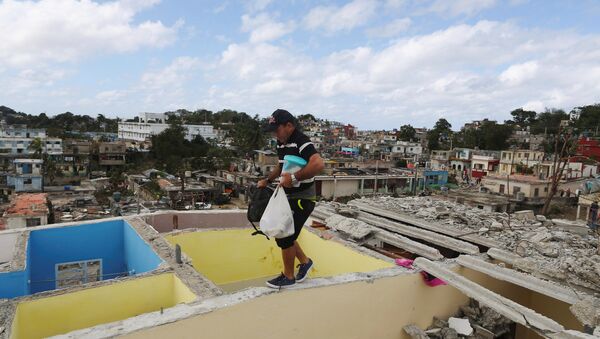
x: 281, y: 282
x: 303, y: 270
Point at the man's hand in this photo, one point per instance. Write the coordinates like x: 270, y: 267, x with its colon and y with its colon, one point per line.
x: 285, y: 180
x: 262, y: 183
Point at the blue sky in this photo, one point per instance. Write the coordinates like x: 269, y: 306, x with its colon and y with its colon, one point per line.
x: 377, y: 64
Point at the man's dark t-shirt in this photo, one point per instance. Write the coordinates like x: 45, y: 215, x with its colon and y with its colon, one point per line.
x: 299, y: 145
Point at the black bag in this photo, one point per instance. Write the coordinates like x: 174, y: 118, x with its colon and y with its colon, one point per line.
x: 259, y: 199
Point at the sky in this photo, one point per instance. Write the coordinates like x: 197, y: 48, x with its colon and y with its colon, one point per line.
x: 377, y: 64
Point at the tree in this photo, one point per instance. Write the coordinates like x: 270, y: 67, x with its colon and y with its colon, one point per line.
x: 440, y: 135
x: 172, y: 150
x: 589, y: 118
x: 51, y: 169
x: 522, y: 117
x: 549, y: 121
x: 407, y: 133
x: 565, y: 147
x: 37, y: 146
x: 247, y: 134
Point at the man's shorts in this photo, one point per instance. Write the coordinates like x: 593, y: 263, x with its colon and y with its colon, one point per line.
x: 301, y: 208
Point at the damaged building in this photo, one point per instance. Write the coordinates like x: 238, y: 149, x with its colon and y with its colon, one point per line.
x: 384, y: 268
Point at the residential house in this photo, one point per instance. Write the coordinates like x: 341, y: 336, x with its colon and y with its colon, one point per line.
x: 26, y: 175
x: 440, y: 159
x: 75, y: 161
x: 111, y: 154
x: 484, y: 163
x: 526, y: 159
x: 344, y: 185
x: 27, y: 210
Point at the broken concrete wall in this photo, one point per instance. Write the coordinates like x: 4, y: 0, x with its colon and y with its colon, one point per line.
x: 167, y: 222
x: 549, y: 307
x: 7, y: 245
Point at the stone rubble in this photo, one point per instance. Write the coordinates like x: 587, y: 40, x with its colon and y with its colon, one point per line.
x: 483, y: 320
x: 552, y: 249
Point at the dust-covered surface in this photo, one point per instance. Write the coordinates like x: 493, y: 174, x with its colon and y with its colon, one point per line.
x: 559, y: 250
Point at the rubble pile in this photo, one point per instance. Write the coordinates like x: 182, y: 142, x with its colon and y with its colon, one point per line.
x: 553, y: 249
x: 471, y: 321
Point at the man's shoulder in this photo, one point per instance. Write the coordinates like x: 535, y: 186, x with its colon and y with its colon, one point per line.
x: 300, y: 137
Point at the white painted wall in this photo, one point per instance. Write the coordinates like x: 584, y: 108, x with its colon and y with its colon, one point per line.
x: 343, y: 188
x: 7, y: 246
x: 21, y: 222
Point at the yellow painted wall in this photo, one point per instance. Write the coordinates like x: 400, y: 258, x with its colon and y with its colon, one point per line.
x: 71, y: 311
x: 377, y: 309
x: 234, y: 255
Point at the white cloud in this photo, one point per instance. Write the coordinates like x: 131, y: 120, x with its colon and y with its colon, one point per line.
x: 517, y: 74
x: 166, y: 87
x: 67, y: 30
x: 262, y: 28
x: 333, y: 18
x: 460, y: 7
x: 391, y: 29
x: 461, y: 73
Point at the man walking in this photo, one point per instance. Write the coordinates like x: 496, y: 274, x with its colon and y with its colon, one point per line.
x: 299, y: 188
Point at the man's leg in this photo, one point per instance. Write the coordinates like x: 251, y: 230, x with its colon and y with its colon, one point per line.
x: 288, y: 255
x: 300, y: 253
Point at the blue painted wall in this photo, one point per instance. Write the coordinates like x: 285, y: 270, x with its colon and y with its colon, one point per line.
x: 14, y: 284
x: 122, y: 252
x: 139, y: 256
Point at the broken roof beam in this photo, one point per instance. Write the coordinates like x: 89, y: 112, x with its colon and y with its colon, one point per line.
x: 415, y: 232
x: 396, y: 240
x: 409, y: 245
x: 502, y: 255
x: 404, y: 218
x: 506, y: 307
x: 521, y: 279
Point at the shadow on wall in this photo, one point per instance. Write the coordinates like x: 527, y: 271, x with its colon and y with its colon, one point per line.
x: 67, y: 256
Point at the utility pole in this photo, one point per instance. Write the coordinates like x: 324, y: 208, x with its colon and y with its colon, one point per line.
x: 415, y: 180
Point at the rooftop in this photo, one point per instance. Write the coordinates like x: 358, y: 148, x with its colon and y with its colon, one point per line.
x: 28, y: 204
x: 220, y: 273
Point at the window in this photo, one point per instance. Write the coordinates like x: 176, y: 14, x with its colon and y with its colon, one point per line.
x: 31, y: 222
x: 536, y: 192
x: 27, y: 181
x: 501, y: 188
x: 516, y: 190
x: 78, y: 273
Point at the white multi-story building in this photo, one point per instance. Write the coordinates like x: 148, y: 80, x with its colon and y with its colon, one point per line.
x: 154, y: 123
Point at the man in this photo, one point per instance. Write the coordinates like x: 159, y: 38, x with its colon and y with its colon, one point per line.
x: 290, y: 141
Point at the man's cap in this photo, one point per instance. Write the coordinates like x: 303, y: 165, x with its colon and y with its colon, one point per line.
x: 279, y: 117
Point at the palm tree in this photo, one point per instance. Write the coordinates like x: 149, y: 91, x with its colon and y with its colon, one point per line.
x: 37, y: 146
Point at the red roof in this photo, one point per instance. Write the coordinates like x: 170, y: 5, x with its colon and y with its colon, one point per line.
x: 31, y: 204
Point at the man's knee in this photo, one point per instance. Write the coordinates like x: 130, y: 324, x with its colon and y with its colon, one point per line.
x: 285, y: 243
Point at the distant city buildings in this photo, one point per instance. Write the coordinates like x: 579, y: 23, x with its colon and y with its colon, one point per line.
x: 150, y: 124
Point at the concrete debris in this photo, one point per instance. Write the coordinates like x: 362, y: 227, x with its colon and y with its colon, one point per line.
x: 504, y: 306
x: 587, y: 311
x: 560, y: 250
x: 472, y: 320
x: 461, y: 326
x: 353, y: 228
x: 347, y: 211
x: 597, y: 332
x: 415, y: 332
x: 527, y: 215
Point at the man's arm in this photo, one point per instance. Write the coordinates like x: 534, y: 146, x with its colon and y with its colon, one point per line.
x: 315, y: 166
x: 270, y: 178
